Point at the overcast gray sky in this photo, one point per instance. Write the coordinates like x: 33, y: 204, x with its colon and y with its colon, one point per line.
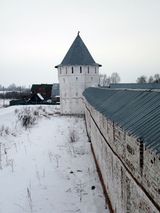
x: 122, y: 35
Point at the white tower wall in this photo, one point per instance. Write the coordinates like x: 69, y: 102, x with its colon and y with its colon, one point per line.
x: 73, y: 81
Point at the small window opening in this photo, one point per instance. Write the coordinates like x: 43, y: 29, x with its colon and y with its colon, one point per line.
x: 72, y: 70
x: 80, y: 69
x: 76, y: 78
x: 88, y: 69
x: 95, y: 70
x: 91, y: 78
x: 66, y: 70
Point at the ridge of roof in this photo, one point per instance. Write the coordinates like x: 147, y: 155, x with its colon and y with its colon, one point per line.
x: 78, y: 54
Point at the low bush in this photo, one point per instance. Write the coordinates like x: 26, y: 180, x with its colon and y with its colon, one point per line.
x: 27, y: 117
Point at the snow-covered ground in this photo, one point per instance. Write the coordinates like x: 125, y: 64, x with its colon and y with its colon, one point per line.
x: 46, y: 167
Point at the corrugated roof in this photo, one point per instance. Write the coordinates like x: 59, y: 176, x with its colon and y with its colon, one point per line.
x: 137, y: 112
x: 78, y: 54
x: 135, y: 86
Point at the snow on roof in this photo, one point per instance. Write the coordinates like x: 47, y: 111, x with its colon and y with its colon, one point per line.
x: 40, y: 96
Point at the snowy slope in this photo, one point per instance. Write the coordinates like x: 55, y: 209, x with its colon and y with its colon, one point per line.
x: 48, y: 167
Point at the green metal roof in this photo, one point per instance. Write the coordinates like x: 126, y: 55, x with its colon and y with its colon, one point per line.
x: 135, y: 86
x: 137, y: 112
x: 78, y: 54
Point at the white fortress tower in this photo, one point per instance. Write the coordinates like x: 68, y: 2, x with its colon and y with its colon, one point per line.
x: 77, y: 71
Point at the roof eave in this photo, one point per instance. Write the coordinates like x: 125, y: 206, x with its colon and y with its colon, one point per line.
x: 61, y: 65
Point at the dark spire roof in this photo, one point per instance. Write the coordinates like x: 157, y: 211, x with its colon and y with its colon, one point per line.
x: 78, y: 54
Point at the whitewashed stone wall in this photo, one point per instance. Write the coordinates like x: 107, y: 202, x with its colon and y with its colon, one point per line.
x: 73, y: 81
x: 132, y: 180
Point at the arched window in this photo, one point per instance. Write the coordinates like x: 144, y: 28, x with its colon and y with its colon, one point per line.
x: 80, y: 69
x: 72, y: 70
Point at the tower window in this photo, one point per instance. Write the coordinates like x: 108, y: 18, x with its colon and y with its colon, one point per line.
x: 76, y: 78
x: 80, y: 69
x: 72, y: 70
x: 95, y: 70
x: 60, y: 70
x: 66, y: 70
x: 88, y: 69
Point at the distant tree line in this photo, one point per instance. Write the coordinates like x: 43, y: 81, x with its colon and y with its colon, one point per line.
x: 14, y: 92
x: 13, y: 87
x: 152, y: 79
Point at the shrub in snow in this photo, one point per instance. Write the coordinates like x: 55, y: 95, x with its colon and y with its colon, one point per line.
x: 4, y: 130
x: 28, y: 120
x: 36, y: 113
x: 73, y: 137
x: 27, y: 117
x: 16, y: 111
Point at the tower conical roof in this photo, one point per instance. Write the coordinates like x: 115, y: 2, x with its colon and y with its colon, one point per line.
x: 78, y: 54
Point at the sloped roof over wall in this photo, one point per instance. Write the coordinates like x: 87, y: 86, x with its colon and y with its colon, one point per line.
x: 137, y: 112
x: 135, y: 86
x: 78, y: 54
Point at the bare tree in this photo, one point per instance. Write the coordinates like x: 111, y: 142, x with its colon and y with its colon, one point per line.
x: 12, y: 87
x: 115, y: 78
x: 151, y: 79
x: 156, y: 78
x: 142, y: 79
x: 104, y: 80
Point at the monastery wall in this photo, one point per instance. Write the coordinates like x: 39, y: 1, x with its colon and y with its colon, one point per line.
x: 131, y: 173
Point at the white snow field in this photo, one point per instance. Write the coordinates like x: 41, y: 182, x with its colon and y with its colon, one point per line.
x: 46, y: 164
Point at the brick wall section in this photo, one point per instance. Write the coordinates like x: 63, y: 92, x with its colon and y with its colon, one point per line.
x: 131, y: 174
